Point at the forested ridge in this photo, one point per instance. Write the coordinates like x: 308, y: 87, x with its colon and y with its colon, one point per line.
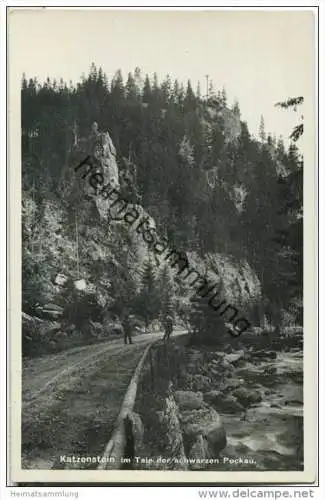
x: 216, y: 192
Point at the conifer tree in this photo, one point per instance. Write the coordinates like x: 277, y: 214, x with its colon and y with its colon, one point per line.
x: 261, y: 129
x: 236, y: 109
x: 138, y: 80
x: 181, y: 95
x: 198, y: 91
x: 175, y: 92
x: 211, y: 91
x: 167, y: 293
x: 207, y: 326
x: 294, y: 103
x: 189, y: 100
x: 166, y: 91
x: 131, y: 89
x: 117, y: 86
x: 146, y: 96
x: 224, y: 97
x: 148, y: 300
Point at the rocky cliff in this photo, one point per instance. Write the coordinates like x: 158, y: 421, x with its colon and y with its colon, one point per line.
x: 240, y: 283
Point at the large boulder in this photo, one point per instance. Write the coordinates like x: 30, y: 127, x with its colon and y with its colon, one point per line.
x: 233, y: 358
x: 211, y: 396
x: 188, y: 400
x: 198, y: 451
x: 231, y: 383
x: 218, y: 369
x: 229, y: 404
x: 247, y: 397
x: 205, y: 422
x: 223, y: 403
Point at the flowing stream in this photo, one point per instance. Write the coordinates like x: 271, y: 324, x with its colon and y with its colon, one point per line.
x: 271, y: 432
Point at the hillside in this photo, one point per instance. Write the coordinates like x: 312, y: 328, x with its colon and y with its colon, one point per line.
x: 227, y: 202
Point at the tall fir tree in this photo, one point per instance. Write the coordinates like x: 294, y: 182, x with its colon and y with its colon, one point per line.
x: 146, y: 95
x: 236, y: 109
x: 167, y: 293
x: 261, y: 129
x: 198, y: 91
x: 148, y: 303
x: 224, y: 96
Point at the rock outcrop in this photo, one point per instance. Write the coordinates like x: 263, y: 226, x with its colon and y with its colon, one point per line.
x: 174, y: 438
x: 99, y: 149
x: 205, y: 422
x: 202, y: 427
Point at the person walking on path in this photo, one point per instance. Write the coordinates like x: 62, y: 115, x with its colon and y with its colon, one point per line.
x: 127, y: 327
x: 168, y: 326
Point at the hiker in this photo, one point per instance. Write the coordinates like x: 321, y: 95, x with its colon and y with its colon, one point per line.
x: 168, y: 326
x: 94, y: 129
x: 127, y: 327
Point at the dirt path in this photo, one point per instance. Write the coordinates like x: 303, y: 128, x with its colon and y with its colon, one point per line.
x: 71, y: 400
x: 39, y: 374
x: 38, y: 379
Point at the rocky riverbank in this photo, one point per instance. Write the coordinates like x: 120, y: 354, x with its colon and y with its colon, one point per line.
x: 230, y: 409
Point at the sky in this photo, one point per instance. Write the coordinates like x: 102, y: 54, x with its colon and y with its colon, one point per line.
x: 261, y: 57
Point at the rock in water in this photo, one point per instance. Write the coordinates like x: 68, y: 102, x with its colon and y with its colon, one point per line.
x: 188, y: 400
x: 211, y: 396
x: 234, y: 357
x: 246, y: 397
x: 223, y: 403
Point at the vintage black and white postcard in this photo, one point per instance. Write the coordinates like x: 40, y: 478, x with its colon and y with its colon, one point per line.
x: 163, y: 222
